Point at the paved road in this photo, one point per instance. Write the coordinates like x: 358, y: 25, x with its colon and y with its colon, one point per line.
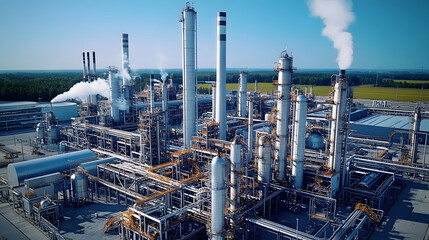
x: 13, y: 226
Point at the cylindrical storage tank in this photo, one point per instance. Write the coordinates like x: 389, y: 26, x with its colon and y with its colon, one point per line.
x: 217, y: 198
x: 79, y: 184
x: 267, y: 117
x: 63, y: 146
x: 40, y: 132
x: 264, y: 160
x: 18, y: 172
x: 91, y: 167
x: 315, y: 141
x: 53, y: 133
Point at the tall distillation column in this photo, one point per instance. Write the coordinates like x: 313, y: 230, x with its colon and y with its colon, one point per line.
x: 242, y: 94
x: 417, y: 118
x: 189, y: 32
x: 264, y: 160
x: 125, y: 71
x: 221, y: 75
x: 298, y: 141
x: 214, y: 101
x: 217, y: 198
x: 338, y: 126
x: 285, y: 70
x: 114, y: 94
x: 235, y: 174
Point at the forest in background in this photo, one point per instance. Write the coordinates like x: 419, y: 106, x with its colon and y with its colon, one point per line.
x: 35, y: 86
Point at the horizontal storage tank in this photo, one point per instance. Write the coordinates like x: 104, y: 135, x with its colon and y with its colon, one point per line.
x: 63, y: 111
x: 314, y: 141
x: 91, y: 167
x: 18, y: 172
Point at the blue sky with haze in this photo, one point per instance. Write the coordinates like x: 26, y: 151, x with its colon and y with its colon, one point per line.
x: 45, y: 35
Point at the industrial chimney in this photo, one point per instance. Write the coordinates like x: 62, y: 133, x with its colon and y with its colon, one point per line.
x: 189, y: 34
x: 221, y: 75
x: 125, y: 57
x: 88, y: 74
x: 93, y: 62
x: 84, y: 66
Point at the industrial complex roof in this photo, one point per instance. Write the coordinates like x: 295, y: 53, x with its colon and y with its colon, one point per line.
x: 396, y: 122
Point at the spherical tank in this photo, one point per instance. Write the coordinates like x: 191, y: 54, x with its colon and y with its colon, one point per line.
x: 314, y: 141
x: 79, y: 185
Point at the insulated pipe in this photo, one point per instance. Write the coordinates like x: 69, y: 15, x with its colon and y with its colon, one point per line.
x: 285, y: 69
x: 189, y: 20
x: 214, y: 101
x: 298, y: 142
x: 221, y: 75
x: 235, y: 175
x: 337, y: 132
x: 89, y: 67
x: 84, y: 66
x: 217, y: 198
x: 125, y: 58
x: 242, y: 94
x: 264, y: 160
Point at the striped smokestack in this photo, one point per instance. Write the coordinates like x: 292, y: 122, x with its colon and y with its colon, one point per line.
x: 221, y: 75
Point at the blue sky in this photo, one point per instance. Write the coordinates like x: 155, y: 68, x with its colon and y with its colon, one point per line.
x: 45, y: 35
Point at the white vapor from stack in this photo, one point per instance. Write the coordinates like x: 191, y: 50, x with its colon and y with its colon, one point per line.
x: 82, y: 89
x: 337, y: 16
x: 163, y: 74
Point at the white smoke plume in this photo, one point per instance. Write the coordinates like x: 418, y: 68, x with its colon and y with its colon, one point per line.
x: 82, y: 89
x: 337, y: 16
x: 125, y: 76
x: 122, y: 103
x: 164, y: 74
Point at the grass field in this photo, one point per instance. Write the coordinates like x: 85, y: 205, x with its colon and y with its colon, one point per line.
x: 361, y: 92
x: 411, y: 81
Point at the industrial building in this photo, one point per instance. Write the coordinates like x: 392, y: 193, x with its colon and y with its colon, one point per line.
x: 284, y: 165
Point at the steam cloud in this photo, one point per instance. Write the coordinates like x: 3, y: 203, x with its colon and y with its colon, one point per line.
x: 82, y: 89
x: 337, y: 16
x: 164, y: 74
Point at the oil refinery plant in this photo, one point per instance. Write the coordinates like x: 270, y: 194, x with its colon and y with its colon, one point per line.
x: 226, y: 165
